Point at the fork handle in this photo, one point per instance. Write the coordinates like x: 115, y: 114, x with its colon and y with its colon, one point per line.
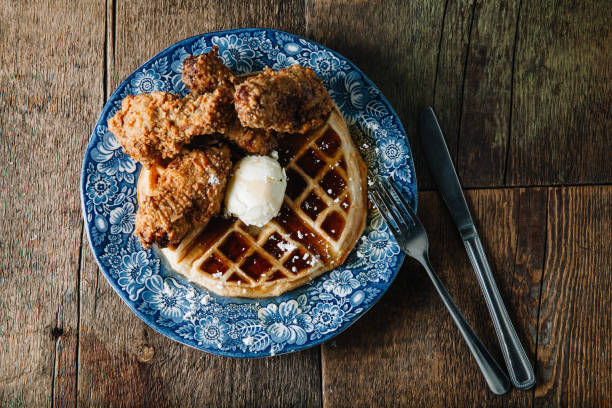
x: 494, y: 375
x: 519, y: 367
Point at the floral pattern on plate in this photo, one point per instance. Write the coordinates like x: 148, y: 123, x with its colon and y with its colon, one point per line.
x: 236, y: 327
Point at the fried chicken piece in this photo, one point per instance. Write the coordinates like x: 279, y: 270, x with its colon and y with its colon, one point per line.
x: 291, y: 100
x: 206, y: 73
x: 252, y: 141
x: 154, y: 127
x: 173, y: 200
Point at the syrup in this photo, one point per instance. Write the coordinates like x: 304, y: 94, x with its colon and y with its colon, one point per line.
x: 235, y: 278
x: 296, y: 262
x: 311, y: 162
x: 313, y: 205
x: 275, y: 245
x: 255, y: 266
x: 334, y: 225
x: 252, y: 230
x: 215, y: 228
x: 300, y: 232
x: 288, y: 146
x: 276, y: 275
x: 329, y: 142
x: 295, y: 184
x: 234, y: 246
x: 213, y: 266
x: 333, y: 184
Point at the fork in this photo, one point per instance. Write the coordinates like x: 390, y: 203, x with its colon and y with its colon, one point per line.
x: 412, y: 239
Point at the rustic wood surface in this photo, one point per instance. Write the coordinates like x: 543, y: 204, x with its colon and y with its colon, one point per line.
x: 523, y: 91
x: 574, y: 353
x: 48, y: 58
x: 409, y: 341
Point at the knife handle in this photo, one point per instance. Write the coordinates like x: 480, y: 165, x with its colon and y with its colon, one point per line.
x: 519, y: 367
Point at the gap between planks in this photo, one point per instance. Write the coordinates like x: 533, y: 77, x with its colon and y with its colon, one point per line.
x: 465, y: 66
x: 544, y: 260
x: 514, y: 46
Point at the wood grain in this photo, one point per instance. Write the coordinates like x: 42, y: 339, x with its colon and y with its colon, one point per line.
x: 123, y: 361
x: 529, y: 260
x: 467, y: 79
x: 561, y: 117
x: 450, y: 73
x: 144, y: 28
x: 48, y: 57
x: 67, y: 339
x: 574, y: 344
x: 395, y: 44
x: 410, y: 353
x: 486, y: 97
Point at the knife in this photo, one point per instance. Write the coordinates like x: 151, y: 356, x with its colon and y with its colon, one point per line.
x: 441, y: 166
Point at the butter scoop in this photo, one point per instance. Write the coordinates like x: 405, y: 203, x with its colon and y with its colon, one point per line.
x: 256, y: 189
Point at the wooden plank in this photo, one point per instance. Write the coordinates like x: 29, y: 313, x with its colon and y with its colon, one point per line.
x: 450, y: 75
x: 486, y: 98
x: 122, y: 361
x: 144, y: 28
x: 407, y: 351
x: 48, y: 57
x: 562, y: 95
x: 574, y: 344
x: 395, y: 44
x: 528, y: 262
x: 471, y: 71
x: 473, y: 87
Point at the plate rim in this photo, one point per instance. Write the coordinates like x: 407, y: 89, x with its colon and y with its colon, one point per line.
x: 149, y: 320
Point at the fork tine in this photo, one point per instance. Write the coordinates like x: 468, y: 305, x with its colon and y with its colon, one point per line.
x: 391, y: 206
x: 383, y: 209
x: 408, y: 207
x: 385, y: 212
x: 402, y: 212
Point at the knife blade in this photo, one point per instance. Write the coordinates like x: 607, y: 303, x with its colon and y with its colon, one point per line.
x: 441, y: 166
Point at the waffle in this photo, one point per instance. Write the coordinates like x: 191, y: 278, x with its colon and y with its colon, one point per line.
x: 323, y: 215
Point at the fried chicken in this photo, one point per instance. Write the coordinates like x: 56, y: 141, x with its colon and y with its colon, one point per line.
x: 173, y: 200
x: 154, y: 127
x: 291, y: 100
x: 205, y: 73
x: 252, y: 141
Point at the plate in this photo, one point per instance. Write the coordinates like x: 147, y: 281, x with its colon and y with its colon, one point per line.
x: 236, y: 327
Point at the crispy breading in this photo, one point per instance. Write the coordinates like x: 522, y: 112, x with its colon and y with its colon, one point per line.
x: 183, y: 195
x: 205, y: 73
x: 154, y: 127
x: 292, y: 100
x: 252, y: 141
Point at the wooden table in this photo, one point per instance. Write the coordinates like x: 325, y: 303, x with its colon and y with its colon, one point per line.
x: 523, y: 90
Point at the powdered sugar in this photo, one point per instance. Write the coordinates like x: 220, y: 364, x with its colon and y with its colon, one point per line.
x: 286, y: 246
x: 213, y: 179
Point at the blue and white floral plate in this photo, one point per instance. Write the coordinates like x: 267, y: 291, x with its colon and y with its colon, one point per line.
x: 237, y: 327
